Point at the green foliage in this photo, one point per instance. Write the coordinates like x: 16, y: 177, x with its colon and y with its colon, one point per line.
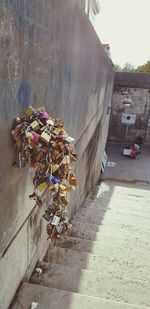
x: 128, y: 67
x: 145, y: 68
x: 117, y: 68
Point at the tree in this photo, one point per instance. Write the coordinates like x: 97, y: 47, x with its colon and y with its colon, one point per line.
x: 117, y: 68
x: 145, y: 68
x: 128, y: 67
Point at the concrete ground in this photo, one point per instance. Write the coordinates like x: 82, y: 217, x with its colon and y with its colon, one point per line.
x: 104, y: 263
x: 124, y: 168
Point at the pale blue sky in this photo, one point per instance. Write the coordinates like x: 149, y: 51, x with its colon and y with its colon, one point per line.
x: 125, y: 25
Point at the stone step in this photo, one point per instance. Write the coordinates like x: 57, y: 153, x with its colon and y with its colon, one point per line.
x: 119, y: 262
x: 97, y: 284
x: 54, y: 298
x: 97, y: 214
x: 106, y: 240
x: 91, y: 231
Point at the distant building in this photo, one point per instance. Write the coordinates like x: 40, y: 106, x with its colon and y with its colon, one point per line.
x: 92, y: 8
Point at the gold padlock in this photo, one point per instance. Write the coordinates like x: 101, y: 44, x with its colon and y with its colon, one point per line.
x: 29, y: 111
x: 50, y: 122
x: 64, y: 200
x: 62, y: 187
x: 34, y: 125
x: 42, y: 187
x: 45, y: 137
x: 72, y: 180
x: 55, y: 167
x: 66, y: 160
x: 28, y: 134
x: 59, y: 123
x: 56, y: 154
x: 61, y: 145
x: 57, y: 131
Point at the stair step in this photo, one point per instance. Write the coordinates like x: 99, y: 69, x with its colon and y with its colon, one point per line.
x: 97, y: 215
x: 127, y: 200
x: 106, y: 261
x: 93, y: 232
x: 93, y: 283
x: 54, y: 298
x: 105, y: 240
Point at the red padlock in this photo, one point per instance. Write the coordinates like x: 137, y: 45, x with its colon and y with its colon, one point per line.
x: 36, y: 137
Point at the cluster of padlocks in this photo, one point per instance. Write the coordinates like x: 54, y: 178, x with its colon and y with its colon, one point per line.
x: 43, y: 144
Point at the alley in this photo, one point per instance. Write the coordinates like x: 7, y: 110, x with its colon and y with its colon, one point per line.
x: 104, y: 262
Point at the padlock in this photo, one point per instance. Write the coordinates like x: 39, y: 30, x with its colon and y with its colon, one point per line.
x: 70, y: 147
x: 57, y: 131
x: 55, y: 221
x: 64, y: 215
x: 61, y: 145
x: 29, y: 111
x: 28, y: 134
x: 64, y: 200
x: 35, y: 125
x: 55, y: 167
x: 68, y: 139
x: 56, y: 154
x: 59, y: 123
x: 45, y: 137
x: 73, y: 157
x: 42, y: 187
x: 59, y: 228
x: 59, y: 137
x: 19, y: 144
x: 35, y: 137
x: 54, y: 188
x: 50, y: 122
x: 43, y: 116
x: 48, y: 216
x: 62, y: 193
x: 62, y: 187
x: 72, y: 180
x: 66, y: 160
x: 16, y: 132
x: 54, y: 180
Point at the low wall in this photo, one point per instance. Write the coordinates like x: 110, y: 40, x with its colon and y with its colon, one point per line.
x: 132, y: 80
x: 124, y: 132
x: 49, y: 55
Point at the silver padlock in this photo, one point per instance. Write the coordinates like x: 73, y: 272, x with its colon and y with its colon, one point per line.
x: 59, y: 228
x: 55, y: 221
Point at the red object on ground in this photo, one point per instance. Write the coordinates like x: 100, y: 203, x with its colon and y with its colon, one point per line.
x: 133, y: 153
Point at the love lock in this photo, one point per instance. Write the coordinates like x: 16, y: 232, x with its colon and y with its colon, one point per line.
x: 44, y: 145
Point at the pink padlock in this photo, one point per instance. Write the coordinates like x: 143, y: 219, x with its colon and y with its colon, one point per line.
x: 36, y: 137
x: 44, y: 116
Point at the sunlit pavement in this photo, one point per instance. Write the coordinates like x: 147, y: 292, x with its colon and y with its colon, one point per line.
x: 124, y: 168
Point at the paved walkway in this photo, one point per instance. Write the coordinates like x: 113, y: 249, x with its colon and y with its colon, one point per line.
x: 104, y: 263
x: 126, y: 169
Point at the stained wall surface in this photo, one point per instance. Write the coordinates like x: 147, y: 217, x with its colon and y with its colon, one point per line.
x: 140, y: 108
x: 49, y: 55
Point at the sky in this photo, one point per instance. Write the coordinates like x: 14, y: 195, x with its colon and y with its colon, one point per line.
x: 125, y: 25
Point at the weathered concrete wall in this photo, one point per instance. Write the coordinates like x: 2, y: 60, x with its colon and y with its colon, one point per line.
x: 141, y: 108
x: 51, y: 56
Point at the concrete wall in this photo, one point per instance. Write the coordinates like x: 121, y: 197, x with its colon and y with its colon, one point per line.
x: 49, y: 55
x: 132, y: 80
x: 118, y: 131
